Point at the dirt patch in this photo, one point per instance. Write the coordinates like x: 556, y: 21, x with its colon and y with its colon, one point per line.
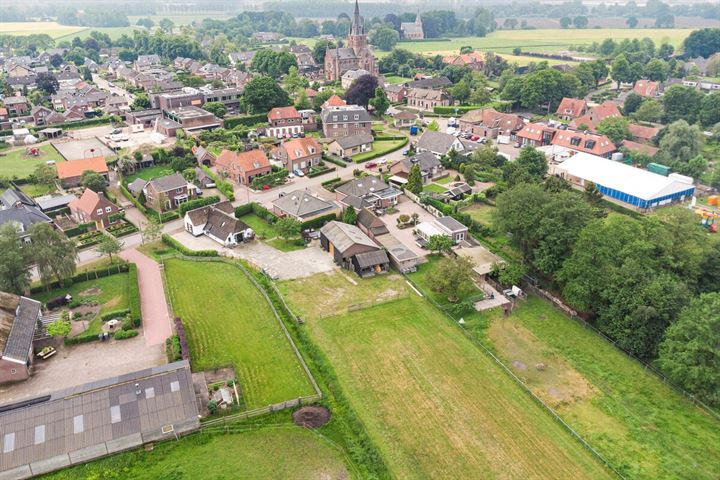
x: 85, y: 311
x: 311, y: 417
x: 112, y: 303
x: 90, y: 292
x: 219, y: 375
x: 519, y: 365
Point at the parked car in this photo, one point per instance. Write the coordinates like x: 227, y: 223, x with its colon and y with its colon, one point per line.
x: 290, y: 175
x: 298, y: 172
x: 406, y: 152
x: 346, y: 159
x: 475, y: 138
x: 370, y: 165
x: 517, y: 145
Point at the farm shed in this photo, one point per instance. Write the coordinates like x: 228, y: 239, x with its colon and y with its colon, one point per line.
x: 352, y: 249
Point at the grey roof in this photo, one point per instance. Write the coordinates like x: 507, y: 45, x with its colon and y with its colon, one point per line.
x: 137, y: 185
x: 15, y: 100
x: 426, y: 160
x: 370, y: 259
x: 354, y: 140
x: 361, y: 187
x: 168, y: 182
x: 199, y: 216
x: 370, y: 221
x: 343, y: 236
x: 355, y: 202
x: 344, y: 53
x: 51, y: 202
x: 436, y: 142
x: 24, y: 215
x: 96, y: 419
x: 451, y: 224
x: 17, y: 345
x: 302, y: 204
x: 396, y: 249
x: 345, y: 114
x: 434, y: 82
x: 219, y: 220
x: 13, y: 196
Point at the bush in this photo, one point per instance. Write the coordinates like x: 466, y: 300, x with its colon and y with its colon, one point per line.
x: 271, y: 179
x: 246, y: 120
x: 171, y: 242
x: 258, y: 210
x: 114, y: 314
x: 182, y: 339
x: 124, y: 334
x: 318, y: 222
x: 133, y: 296
x: 200, y: 202
x: 116, y: 216
x: 243, y: 210
x: 317, y: 171
x: 82, y: 339
x: 172, y: 349
x: 224, y: 186
x: 78, y: 230
x: 334, y: 160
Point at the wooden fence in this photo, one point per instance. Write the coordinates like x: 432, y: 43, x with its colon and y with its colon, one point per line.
x: 256, y: 412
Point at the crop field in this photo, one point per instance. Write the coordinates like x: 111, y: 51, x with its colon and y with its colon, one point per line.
x: 228, y: 322
x: 261, y: 454
x: 643, y: 427
x: 54, y: 29
x: 17, y: 163
x: 436, y: 406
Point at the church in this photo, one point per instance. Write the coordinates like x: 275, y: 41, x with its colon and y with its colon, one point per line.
x: 356, y: 55
x: 413, y: 30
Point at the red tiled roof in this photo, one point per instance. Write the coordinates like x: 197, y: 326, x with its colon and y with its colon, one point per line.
x: 301, y: 147
x: 584, y: 120
x: 283, y: 113
x: 571, y: 107
x: 534, y: 131
x: 646, y: 88
x: 311, y: 93
x: 603, y: 111
x: 243, y: 161
x: 584, y: 142
x: 334, y: 101
x: 75, y: 168
x: 640, y: 147
x: 642, y: 132
x: 90, y: 201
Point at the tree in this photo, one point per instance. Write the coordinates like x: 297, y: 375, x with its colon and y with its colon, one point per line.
x: 384, y: 37
x: 145, y: 22
x: 470, y: 175
x: 321, y: 46
x: 14, y: 271
x: 460, y: 91
x: 44, y: 174
x: 433, y: 126
x: 59, y: 328
x: 47, y: 83
x: 262, y: 94
x: 109, y: 246
x: 681, y: 103
x: 150, y: 231
x: 287, y: 228
x: 53, y: 253
x: 615, y: 128
x: 689, y: 354
x: 695, y: 167
x: 681, y: 141
x: 510, y: 23
x: 632, y: 103
x: 580, y: 21
x: 414, y: 183
x: 362, y: 90
x: 650, y: 110
x: 167, y: 25
x: 631, y: 21
x: 565, y: 22
x: 92, y: 180
x: 709, y: 114
x: 702, y: 43
x: 621, y: 71
x: 530, y: 167
x: 349, y: 215
x: 592, y: 194
x: 453, y: 278
x: 272, y: 63
x: 657, y: 70
x: 141, y: 102
x: 216, y: 108
x: 127, y: 163
x: 439, y: 244
x: 380, y: 102
x: 56, y: 60
x: 189, y: 174
x: 294, y: 83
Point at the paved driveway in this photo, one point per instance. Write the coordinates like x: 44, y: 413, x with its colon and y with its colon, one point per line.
x: 407, y: 207
x: 282, y: 265
x: 155, y: 313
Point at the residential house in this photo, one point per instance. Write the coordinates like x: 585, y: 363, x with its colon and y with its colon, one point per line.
x: 571, y: 108
x: 242, y: 167
x: 230, y: 97
x: 193, y: 119
x: 642, y: 133
x: 299, y: 154
x: 183, y: 98
x: 647, y: 88
x: 535, y: 135
x: 284, y: 122
x: 346, y: 121
x: 20, y: 210
x: 430, y: 166
x: 595, y: 115
x: 203, y: 156
x: 70, y: 172
x: 94, y: 207
x: 472, y: 60
x: 309, y: 120
x: 211, y: 71
x: 351, y: 146
x: 136, y: 186
x: 367, y: 192
x: 431, y: 83
x: 370, y: 224
x: 167, y: 192
x: 146, y: 62
x: 404, y: 119
x: 446, y: 226
x: 427, y: 99
x: 395, y: 93
x: 40, y: 114
x: 440, y: 143
x: 585, y: 142
x: 412, y: 30
x: 20, y: 317
x: 489, y: 123
x: 218, y: 222
x: 353, y: 250
x: 333, y: 101
x: 349, y: 77
x: 241, y: 58
x: 16, y: 106
x: 303, y: 206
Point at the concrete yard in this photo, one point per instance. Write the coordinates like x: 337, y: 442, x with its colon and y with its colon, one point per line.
x: 85, y: 148
x: 405, y: 235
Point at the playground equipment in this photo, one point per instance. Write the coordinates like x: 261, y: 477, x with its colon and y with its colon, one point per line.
x: 32, y: 151
x: 708, y: 218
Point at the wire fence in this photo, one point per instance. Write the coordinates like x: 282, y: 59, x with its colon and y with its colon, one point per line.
x: 363, y: 305
x: 257, y: 412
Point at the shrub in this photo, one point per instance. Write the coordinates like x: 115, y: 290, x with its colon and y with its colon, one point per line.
x: 319, y: 171
x: 224, y: 186
x: 247, y: 120
x: 78, y: 230
x: 117, y: 216
x: 133, y: 296
x: 182, y: 339
x: 200, y: 202
x: 171, y: 242
x: 212, y: 407
x: 81, y: 339
x: 124, y: 334
x: 318, y: 222
x: 243, y: 210
x: 337, y: 162
x: 114, y: 314
x: 264, y: 213
x: 172, y: 349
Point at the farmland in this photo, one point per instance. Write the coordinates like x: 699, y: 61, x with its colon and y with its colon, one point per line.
x: 435, y: 405
x: 261, y: 453
x: 54, y: 29
x: 16, y: 163
x: 228, y: 322
x: 643, y: 427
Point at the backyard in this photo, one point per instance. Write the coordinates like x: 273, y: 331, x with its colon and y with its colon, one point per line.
x: 258, y: 453
x: 643, y: 427
x: 436, y: 406
x: 481, y: 212
x: 380, y: 147
x: 17, y: 163
x: 269, y: 234
x: 149, y: 173
x: 229, y: 322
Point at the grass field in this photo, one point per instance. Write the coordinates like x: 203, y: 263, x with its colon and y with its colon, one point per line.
x: 380, y: 147
x: 433, y: 188
x: 54, y: 29
x: 435, y: 405
x: 395, y: 80
x: 15, y: 163
x: 228, y: 322
x: 267, y: 232
x: 480, y: 212
x: 262, y: 454
x: 642, y: 426
x: 149, y: 173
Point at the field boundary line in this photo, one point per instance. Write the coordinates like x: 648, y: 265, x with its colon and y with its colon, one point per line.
x: 525, y: 387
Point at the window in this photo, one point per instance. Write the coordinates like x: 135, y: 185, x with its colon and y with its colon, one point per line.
x: 345, y: 117
x: 39, y: 434
x: 150, y: 392
x: 175, y: 386
x: 108, y: 209
x: 78, y: 424
x: 115, y: 415
x: 178, y: 190
x: 99, y: 211
x: 9, y: 442
x: 357, y: 117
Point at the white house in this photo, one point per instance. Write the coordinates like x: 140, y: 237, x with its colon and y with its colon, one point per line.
x: 218, y: 222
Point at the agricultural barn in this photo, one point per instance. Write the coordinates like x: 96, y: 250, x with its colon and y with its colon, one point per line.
x: 352, y: 249
x: 635, y: 187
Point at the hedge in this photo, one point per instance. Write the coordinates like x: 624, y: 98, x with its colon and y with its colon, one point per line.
x: 264, y: 213
x: 380, y: 153
x: 390, y: 137
x: 500, y: 106
x: 271, y: 179
x: 200, y: 202
x: 134, y: 296
x: 171, y: 242
x: 114, y: 314
x: 334, y: 160
x: 116, y: 216
x: 247, y: 120
x: 318, y: 222
x: 317, y: 173
x: 85, y: 276
x: 172, y: 349
x: 82, y: 339
x: 224, y: 186
x: 78, y: 230
x: 124, y: 334
x: 90, y: 122
x: 243, y: 210
x: 182, y: 339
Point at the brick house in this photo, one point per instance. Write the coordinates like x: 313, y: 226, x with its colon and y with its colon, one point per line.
x: 599, y: 145
x: 170, y: 190
x: 17, y: 105
x: 300, y: 153
x: 647, y: 88
x: 489, y: 123
x: 535, y: 135
x: 571, y: 108
x: 427, y: 99
x: 93, y: 207
x: 345, y: 121
x: 595, y: 115
x: 242, y: 167
x: 284, y: 122
x: 70, y: 172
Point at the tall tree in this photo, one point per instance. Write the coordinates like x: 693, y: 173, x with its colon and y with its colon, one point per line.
x: 615, y: 128
x: 680, y: 141
x: 380, y: 102
x: 93, y: 180
x: 349, y: 215
x: 47, y: 83
x: 384, y: 37
x: 453, y: 278
x: 414, y: 183
x: 439, y: 244
x: 14, y: 268
x: 109, y: 246
x: 631, y: 21
x: 681, y: 103
x: 530, y: 167
x: 53, y: 254
x: 262, y: 94
x: 709, y: 114
x: 287, y: 228
x: 362, y: 90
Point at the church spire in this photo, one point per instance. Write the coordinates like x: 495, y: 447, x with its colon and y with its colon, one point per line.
x: 357, y: 26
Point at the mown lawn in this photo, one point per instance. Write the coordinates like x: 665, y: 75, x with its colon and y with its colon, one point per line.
x: 262, y: 453
x: 433, y: 188
x: 269, y: 234
x: 37, y: 189
x: 644, y: 428
x: 228, y: 322
x: 436, y: 406
x: 380, y: 147
x: 481, y: 212
x: 149, y: 173
x: 15, y: 163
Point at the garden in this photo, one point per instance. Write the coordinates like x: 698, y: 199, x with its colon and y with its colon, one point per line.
x: 121, y: 228
x: 381, y: 147
x: 18, y: 163
x: 268, y: 233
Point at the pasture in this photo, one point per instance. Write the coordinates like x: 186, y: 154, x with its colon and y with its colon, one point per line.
x: 433, y: 402
x: 17, y: 163
x: 54, y: 29
x: 229, y: 322
x: 643, y: 427
x: 260, y: 453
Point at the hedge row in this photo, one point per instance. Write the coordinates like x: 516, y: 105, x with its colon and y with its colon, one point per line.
x: 78, y: 230
x: 134, y: 296
x: 271, y: 179
x: 197, y: 203
x: 317, y: 173
x: 224, y: 186
x: 124, y: 334
x: 172, y: 349
x: 182, y: 339
x: 500, y: 106
x: 171, y: 242
x: 82, y: 339
x: 90, y: 122
x: 318, y: 222
x: 380, y: 153
x: 246, y: 120
x: 114, y: 314
x: 334, y: 160
x: 390, y: 137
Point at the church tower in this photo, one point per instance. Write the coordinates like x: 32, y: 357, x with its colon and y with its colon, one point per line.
x: 357, y: 40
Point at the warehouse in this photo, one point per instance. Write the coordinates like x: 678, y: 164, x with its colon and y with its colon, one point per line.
x: 632, y: 186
